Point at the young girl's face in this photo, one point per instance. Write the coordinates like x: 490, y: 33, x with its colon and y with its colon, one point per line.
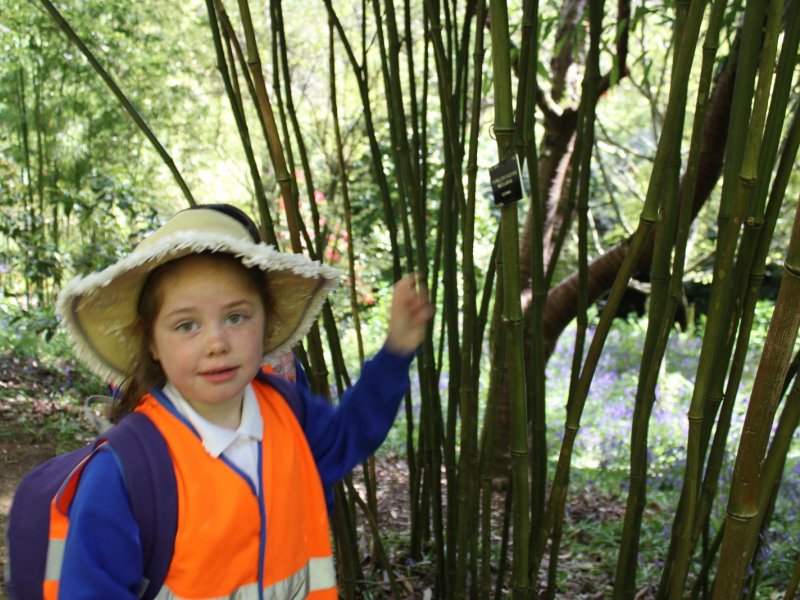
x: 208, y: 334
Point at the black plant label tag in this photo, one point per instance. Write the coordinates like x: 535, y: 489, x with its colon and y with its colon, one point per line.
x: 506, y: 181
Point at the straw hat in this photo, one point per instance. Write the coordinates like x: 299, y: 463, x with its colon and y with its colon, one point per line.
x: 100, y: 309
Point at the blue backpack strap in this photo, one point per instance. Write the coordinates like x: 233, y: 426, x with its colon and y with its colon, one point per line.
x: 153, y: 491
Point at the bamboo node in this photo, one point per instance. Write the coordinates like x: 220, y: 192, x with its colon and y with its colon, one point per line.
x: 512, y: 320
x: 792, y: 270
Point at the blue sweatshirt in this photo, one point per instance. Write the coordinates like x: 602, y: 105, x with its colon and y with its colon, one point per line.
x: 103, y: 557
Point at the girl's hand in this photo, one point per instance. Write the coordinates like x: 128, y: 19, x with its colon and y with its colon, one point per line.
x: 409, y: 316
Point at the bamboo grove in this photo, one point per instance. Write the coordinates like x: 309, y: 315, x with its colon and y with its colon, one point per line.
x: 439, y: 83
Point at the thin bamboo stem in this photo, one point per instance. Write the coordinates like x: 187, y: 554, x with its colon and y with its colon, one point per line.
x: 512, y: 312
x: 275, y: 145
x: 216, y: 14
x: 127, y: 105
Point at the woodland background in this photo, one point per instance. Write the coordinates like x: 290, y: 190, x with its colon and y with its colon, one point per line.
x: 607, y: 402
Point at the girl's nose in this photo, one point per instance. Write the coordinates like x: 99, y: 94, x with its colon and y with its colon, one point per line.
x: 217, y: 342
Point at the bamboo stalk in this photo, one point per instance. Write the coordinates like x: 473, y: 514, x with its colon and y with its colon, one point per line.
x: 744, y: 205
x: 459, y: 533
x: 487, y: 444
x: 558, y: 492
x: 264, y: 106
x: 348, y: 565
x: 512, y: 312
x: 719, y: 304
x: 127, y: 105
x: 215, y: 12
x: 581, y: 174
x: 625, y: 580
x: 308, y: 174
x: 525, y: 119
x: 743, y: 499
x: 469, y: 459
x: 762, y: 227
x: 794, y: 582
x: 383, y: 560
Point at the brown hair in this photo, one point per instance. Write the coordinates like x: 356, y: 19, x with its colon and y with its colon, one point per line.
x: 146, y: 373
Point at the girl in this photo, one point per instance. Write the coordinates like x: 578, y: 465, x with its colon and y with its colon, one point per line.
x: 186, y: 322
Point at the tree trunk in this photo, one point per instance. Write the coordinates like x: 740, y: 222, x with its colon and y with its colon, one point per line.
x: 562, y: 298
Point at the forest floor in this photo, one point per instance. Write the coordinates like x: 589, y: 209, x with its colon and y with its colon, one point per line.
x: 36, y: 423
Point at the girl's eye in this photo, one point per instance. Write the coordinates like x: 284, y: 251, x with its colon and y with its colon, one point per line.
x: 186, y: 327
x: 236, y: 318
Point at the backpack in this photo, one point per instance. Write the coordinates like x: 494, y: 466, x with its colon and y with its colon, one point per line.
x: 151, y: 487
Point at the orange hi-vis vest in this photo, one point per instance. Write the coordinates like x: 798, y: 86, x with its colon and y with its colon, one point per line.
x: 231, y: 542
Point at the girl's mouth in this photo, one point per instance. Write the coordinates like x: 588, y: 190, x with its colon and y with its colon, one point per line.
x: 219, y: 375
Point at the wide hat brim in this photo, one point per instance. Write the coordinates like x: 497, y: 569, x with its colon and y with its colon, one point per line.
x: 99, y: 310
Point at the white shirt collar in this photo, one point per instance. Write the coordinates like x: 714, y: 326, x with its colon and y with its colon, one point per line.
x: 217, y: 439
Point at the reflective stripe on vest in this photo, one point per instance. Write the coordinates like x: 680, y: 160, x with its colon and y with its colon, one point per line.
x: 318, y: 576
x: 231, y: 541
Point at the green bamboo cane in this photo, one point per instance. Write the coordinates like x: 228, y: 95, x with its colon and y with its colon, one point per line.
x: 761, y: 227
x: 121, y: 97
x: 343, y: 182
x: 647, y: 218
x: 701, y: 583
x: 348, y: 565
x: 390, y: 69
x: 468, y: 463
x: 730, y: 218
x: 426, y: 78
x: 215, y: 16
x: 794, y: 581
x: 512, y: 312
x: 459, y: 532
x: 582, y: 159
x: 414, y: 116
x: 452, y: 198
x: 291, y: 205
x: 534, y: 326
x: 264, y: 106
x: 753, y: 226
x: 716, y: 455
x: 666, y: 573
x: 383, y: 560
x: 771, y: 469
x: 280, y: 36
x: 486, y: 455
x: 26, y: 182
x: 743, y: 499
x: 319, y: 373
x: 785, y: 167
x: 428, y: 371
x: 625, y: 580
x: 743, y: 206
x: 342, y: 167
x: 462, y: 68
x: 232, y: 39
x: 487, y: 440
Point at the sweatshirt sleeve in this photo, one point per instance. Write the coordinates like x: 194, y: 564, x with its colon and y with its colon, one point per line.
x: 343, y: 436
x: 102, y: 555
